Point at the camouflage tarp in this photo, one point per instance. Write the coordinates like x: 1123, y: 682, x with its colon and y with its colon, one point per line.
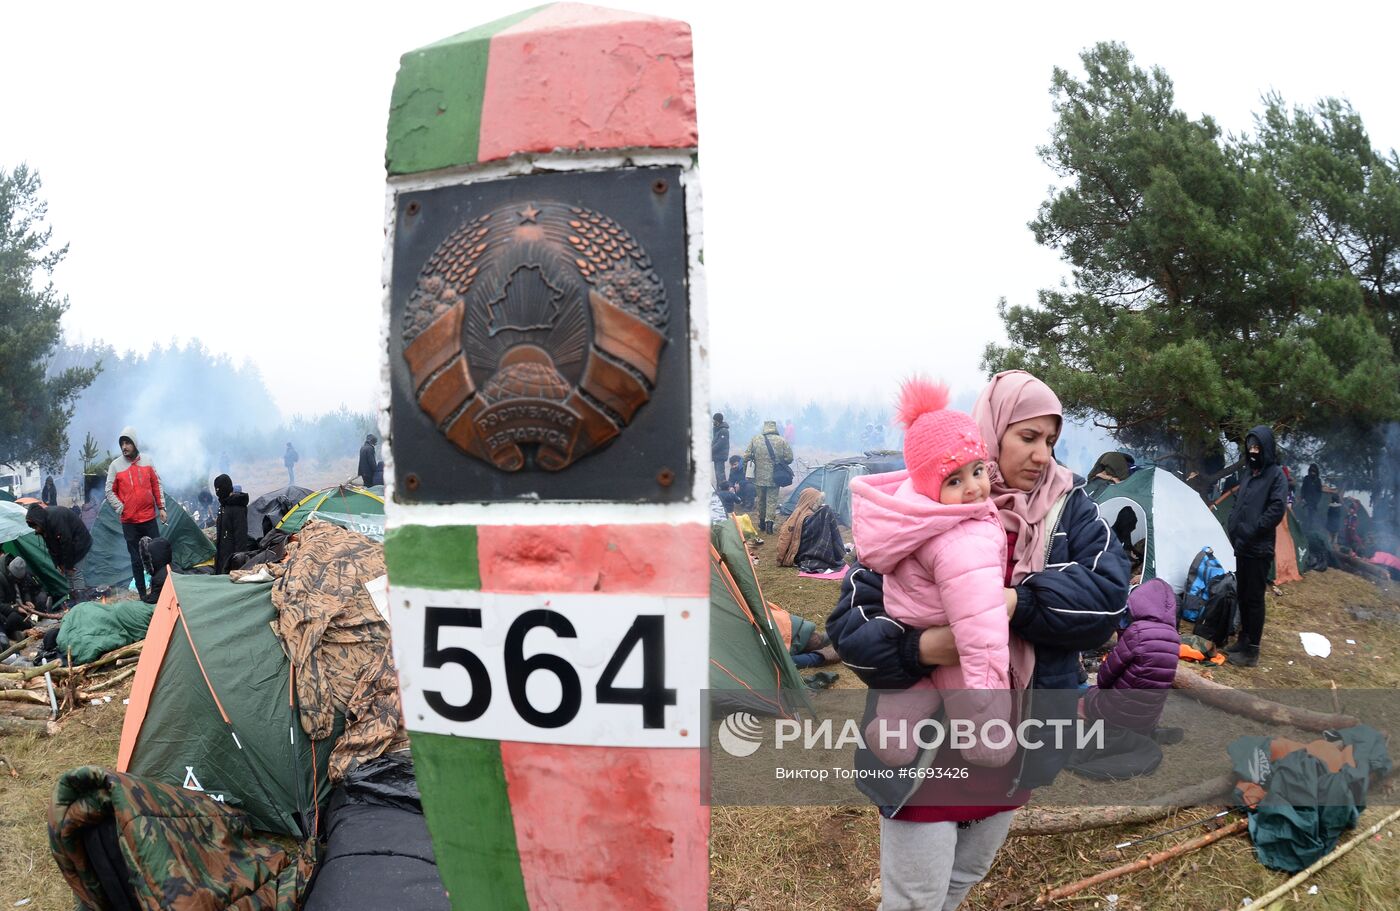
x: 338, y: 642
x: 172, y: 849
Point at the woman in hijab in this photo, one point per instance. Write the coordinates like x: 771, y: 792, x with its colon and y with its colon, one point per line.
x: 1066, y: 587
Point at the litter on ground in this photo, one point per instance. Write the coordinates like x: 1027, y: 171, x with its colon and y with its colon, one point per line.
x: 1316, y: 644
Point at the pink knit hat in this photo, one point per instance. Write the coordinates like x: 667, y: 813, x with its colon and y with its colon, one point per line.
x: 937, y: 441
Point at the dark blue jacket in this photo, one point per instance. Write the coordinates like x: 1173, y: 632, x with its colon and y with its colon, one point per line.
x: 1072, y: 605
x: 1260, y: 501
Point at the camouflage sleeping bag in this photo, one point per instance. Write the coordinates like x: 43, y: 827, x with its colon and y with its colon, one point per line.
x: 123, y: 842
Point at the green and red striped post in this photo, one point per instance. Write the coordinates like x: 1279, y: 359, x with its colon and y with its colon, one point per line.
x: 551, y: 649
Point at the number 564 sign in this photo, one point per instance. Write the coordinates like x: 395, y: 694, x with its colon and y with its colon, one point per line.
x: 601, y: 670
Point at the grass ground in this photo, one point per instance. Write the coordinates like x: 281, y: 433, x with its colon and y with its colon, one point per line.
x: 88, y: 736
x: 819, y: 858
x: 827, y: 858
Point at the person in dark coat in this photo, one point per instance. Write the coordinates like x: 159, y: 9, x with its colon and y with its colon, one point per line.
x: 1312, y: 497
x: 66, y: 537
x: 743, y: 486
x: 290, y: 459
x: 155, y: 556
x: 50, y: 492
x: 367, y: 460
x: 231, y: 534
x: 1259, y: 506
x: 1142, y: 663
x: 719, y: 447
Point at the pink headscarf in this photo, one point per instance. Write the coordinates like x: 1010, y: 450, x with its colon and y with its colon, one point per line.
x: 1010, y: 397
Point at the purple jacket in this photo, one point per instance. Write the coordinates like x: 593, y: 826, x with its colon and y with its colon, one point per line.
x: 1142, y: 665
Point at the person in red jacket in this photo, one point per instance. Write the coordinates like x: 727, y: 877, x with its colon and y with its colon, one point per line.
x: 133, y: 490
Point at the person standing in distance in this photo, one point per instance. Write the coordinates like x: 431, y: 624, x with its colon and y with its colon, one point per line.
x: 1259, y: 506
x: 133, y: 490
x: 367, y: 460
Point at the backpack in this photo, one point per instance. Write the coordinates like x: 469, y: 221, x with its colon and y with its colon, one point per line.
x: 782, y: 471
x: 1210, y: 599
x: 1204, y: 573
x: 1222, y: 614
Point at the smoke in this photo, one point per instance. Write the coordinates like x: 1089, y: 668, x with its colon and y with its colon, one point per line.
x: 194, y: 412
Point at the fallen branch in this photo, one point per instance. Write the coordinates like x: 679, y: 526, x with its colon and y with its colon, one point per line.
x: 1031, y: 821
x: 1360, y: 567
x: 1264, y: 902
x: 113, y: 657
x: 23, y: 696
x: 11, y: 725
x: 112, y: 681
x: 29, y: 673
x: 1144, y: 863
x: 14, y: 648
x: 24, y: 710
x: 1240, y: 702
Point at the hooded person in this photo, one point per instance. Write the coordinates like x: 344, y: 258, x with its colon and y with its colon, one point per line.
x: 231, y: 535
x: 134, y: 493
x: 719, y: 446
x: 50, y: 492
x: 1312, y: 495
x: 367, y: 460
x: 790, y: 535
x: 155, y: 556
x: 65, y: 536
x: 1143, y: 662
x: 26, y: 585
x: 1260, y: 504
x: 770, y: 455
x: 1111, y: 468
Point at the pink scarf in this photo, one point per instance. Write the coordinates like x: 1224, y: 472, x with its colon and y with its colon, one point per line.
x: 1010, y: 397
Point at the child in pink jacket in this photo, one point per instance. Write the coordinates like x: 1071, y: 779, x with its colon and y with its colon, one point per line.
x: 933, y: 532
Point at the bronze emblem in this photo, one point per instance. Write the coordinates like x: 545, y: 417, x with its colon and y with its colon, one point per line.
x: 535, y: 329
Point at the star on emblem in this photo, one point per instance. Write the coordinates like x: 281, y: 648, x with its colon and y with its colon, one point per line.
x: 529, y: 213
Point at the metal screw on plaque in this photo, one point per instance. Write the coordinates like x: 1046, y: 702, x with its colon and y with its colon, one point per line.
x: 411, y: 209
x: 659, y: 186
x: 665, y: 477
x: 411, y: 482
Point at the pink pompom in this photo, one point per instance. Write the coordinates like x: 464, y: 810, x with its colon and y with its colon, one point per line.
x: 919, y: 396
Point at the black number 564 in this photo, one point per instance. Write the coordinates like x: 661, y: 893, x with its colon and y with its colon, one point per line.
x: 647, y: 630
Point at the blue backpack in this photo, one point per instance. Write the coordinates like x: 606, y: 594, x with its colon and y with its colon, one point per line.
x: 1207, y: 580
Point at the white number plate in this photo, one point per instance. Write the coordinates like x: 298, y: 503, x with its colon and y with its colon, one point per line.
x: 598, y: 670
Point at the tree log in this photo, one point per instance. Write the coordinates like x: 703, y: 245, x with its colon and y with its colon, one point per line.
x: 1240, y: 702
x: 1143, y: 863
x: 29, y: 673
x: 1360, y: 567
x: 24, y: 696
x: 112, y: 681
x: 1033, y: 821
x: 113, y: 657
x: 10, y: 725
x: 25, y: 710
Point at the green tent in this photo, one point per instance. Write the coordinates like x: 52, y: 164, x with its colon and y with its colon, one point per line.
x: 1173, y: 524
x: 212, y: 707
x: 18, y: 540
x: 108, y: 563
x: 356, y: 508
x: 751, y: 668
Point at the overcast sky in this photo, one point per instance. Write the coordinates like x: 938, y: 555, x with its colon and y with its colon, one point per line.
x: 868, y: 171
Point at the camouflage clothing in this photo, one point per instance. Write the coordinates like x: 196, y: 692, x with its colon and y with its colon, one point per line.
x: 179, y: 850
x: 338, y: 642
x: 766, y: 507
x: 757, y: 453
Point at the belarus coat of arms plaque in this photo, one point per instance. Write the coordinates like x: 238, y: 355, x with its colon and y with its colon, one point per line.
x: 539, y: 339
